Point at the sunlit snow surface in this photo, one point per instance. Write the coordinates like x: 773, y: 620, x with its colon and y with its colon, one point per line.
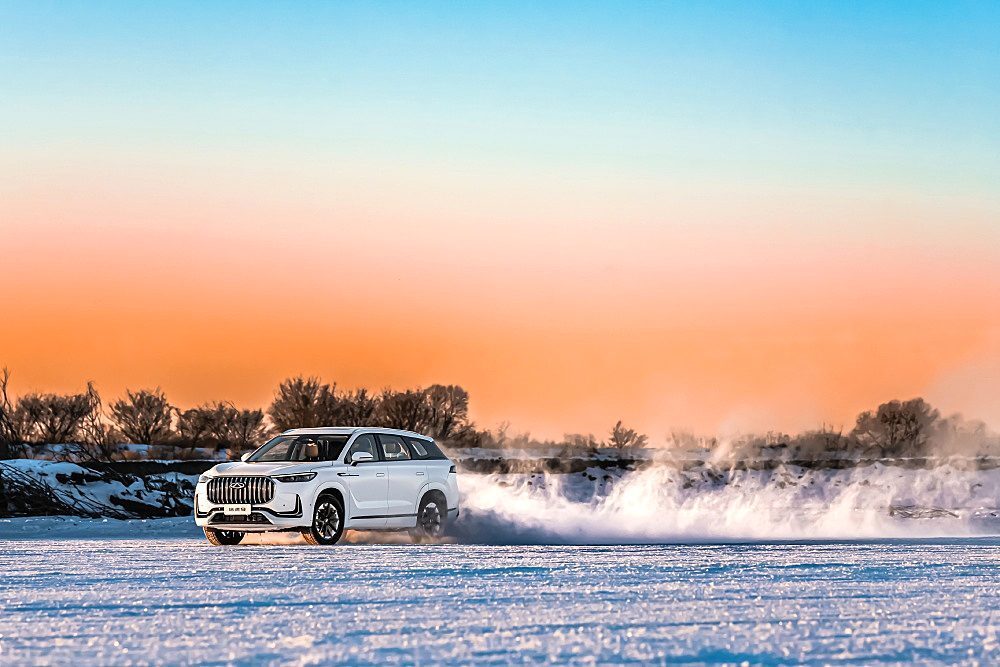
x: 166, y: 596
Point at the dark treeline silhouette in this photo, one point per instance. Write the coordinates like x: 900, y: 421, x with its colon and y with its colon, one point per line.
x: 80, y: 427
x: 77, y: 426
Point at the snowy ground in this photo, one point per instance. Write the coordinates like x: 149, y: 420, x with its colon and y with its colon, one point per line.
x: 521, y: 580
x: 92, y: 592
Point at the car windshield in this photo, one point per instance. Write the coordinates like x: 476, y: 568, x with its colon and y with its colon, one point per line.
x: 309, y: 447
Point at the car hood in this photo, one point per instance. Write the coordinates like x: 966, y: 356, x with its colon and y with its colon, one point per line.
x: 254, y: 469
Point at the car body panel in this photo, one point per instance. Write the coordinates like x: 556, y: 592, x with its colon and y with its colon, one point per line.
x: 406, y: 479
x: 368, y: 489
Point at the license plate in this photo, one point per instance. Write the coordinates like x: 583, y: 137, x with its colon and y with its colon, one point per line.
x: 236, y: 510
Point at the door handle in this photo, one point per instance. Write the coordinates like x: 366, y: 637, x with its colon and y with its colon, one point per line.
x: 380, y: 474
x: 420, y: 473
x: 348, y: 474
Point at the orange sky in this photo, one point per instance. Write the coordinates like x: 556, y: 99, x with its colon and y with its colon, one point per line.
x: 696, y: 322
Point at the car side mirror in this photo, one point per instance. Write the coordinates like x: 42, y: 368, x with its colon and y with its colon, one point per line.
x: 245, y: 456
x: 361, y: 457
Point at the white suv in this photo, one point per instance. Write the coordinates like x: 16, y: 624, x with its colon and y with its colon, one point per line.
x: 323, y: 481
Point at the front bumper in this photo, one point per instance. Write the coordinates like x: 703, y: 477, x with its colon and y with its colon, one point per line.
x: 283, y: 512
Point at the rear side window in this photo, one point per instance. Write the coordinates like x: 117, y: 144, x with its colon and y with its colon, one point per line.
x: 419, y: 450
x: 393, y: 448
x: 424, y: 449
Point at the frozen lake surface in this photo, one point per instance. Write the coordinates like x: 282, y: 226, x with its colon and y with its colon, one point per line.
x: 155, y: 592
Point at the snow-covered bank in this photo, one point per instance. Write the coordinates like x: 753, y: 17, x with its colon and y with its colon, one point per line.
x: 38, y: 487
x: 655, y: 504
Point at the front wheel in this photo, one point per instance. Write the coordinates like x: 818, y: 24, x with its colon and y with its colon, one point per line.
x: 431, y: 517
x: 224, y: 537
x: 328, y: 522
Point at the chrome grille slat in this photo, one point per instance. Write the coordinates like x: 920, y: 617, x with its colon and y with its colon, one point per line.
x: 255, y: 490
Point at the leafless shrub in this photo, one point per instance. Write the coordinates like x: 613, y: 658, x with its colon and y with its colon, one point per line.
x: 822, y: 444
x: 502, y: 438
x: 626, y: 438
x: 581, y: 441
x: 143, y: 417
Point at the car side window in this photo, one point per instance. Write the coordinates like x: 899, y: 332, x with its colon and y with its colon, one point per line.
x: 424, y: 449
x: 364, y: 443
x: 417, y: 447
x: 330, y: 447
x: 393, y: 448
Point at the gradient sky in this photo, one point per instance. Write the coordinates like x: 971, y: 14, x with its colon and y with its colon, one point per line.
x: 706, y: 216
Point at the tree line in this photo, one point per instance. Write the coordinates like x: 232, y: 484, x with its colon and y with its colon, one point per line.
x: 83, y: 428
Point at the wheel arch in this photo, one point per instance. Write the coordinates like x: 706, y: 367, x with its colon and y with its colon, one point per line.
x: 334, y: 490
x: 436, y: 489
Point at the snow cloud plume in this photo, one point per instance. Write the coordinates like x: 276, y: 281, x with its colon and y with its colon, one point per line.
x: 666, y: 504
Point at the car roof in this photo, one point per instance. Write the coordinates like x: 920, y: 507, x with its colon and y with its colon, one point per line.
x: 351, y: 430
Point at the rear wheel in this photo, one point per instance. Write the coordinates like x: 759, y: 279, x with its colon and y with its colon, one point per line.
x: 431, y: 517
x: 328, y: 522
x: 223, y: 537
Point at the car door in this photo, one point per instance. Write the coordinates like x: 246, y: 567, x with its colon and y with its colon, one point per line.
x: 367, y: 485
x: 406, y: 478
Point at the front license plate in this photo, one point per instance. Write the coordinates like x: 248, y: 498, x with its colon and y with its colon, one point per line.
x: 236, y: 510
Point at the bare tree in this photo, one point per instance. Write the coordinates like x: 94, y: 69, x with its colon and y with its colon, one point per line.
x: 245, y: 429
x: 223, y: 425
x: 403, y: 409
x: 626, y: 438
x: 897, y: 428
x: 52, y: 418
x: 143, y: 417
x: 447, y: 410
x: 439, y: 411
x: 357, y: 408
x: 97, y: 440
x: 197, y: 425
x: 303, y: 403
x: 10, y: 437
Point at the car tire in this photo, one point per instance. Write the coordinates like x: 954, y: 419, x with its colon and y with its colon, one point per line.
x: 328, y: 522
x: 432, y: 515
x: 221, y: 538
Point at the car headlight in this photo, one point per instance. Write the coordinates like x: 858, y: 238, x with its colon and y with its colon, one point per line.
x: 298, y: 477
x: 203, y: 478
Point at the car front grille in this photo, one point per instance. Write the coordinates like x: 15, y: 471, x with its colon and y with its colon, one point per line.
x: 240, y: 490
